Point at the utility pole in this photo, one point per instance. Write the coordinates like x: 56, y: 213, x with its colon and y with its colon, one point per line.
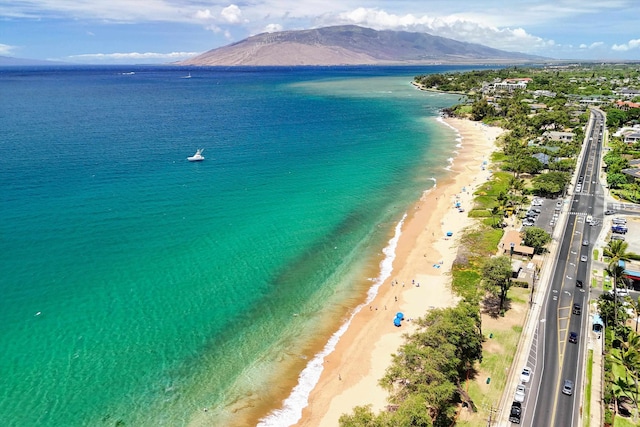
x: 491, y: 412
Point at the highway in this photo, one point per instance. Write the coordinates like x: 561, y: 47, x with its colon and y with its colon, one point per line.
x: 552, y: 357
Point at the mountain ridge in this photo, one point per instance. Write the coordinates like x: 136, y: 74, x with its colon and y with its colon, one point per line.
x: 351, y: 45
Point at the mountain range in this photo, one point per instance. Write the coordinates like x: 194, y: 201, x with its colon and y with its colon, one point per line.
x: 352, y: 45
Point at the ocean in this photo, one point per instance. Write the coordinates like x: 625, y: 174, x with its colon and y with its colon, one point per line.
x: 139, y: 289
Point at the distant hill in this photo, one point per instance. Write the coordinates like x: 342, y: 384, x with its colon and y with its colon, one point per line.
x: 352, y: 45
x: 11, y: 61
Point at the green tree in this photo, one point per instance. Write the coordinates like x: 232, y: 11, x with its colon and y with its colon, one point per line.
x: 362, y: 416
x: 551, y: 183
x: 496, y: 274
x: 536, y: 238
x: 616, y: 180
x: 635, y: 306
x: 481, y: 109
x: 412, y: 412
x: 615, y: 118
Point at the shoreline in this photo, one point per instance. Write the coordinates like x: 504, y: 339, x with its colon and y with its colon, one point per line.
x: 416, y: 281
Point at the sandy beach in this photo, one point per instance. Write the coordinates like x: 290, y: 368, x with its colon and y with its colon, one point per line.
x: 419, y: 282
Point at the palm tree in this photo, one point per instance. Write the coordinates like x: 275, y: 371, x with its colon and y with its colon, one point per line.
x: 635, y: 306
x: 629, y: 358
x: 616, y: 251
x: 619, y: 388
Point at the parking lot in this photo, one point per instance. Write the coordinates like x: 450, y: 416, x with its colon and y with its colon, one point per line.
x: 632, y: 237
x: 544, y: 213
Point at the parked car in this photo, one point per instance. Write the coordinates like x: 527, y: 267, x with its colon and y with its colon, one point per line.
x: 583, y: 258
x: 567, y: 387
x: 515, y: 413
x: 585, y: 242
x: 619, y: 229
x: 520, y: 393
x: 579, y: 283
x: 620, y: 292
x: 617, y: 237
x: 609, y: 212
x: 525, y: 375
x: 573, y: 337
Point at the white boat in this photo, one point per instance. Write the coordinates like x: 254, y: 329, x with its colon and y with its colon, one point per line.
x: 198, y: 157
x: 188, y: 76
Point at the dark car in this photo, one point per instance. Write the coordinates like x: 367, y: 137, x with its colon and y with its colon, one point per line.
x: 573, y: 337
x: 515, y: 413
x: 609, y: 212
x: 577, y: 309
x: 579, y: 283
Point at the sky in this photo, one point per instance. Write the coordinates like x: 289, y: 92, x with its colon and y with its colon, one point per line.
x: 162, y: 31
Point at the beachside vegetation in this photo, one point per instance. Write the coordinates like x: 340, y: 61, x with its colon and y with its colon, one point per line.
x: 425, y: 376
x: 496, y: 274
x: 536, y: 238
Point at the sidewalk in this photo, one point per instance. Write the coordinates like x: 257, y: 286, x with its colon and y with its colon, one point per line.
x: 596, y: 343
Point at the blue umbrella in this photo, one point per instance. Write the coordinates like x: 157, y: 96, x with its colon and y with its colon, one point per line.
x: 400, y: 316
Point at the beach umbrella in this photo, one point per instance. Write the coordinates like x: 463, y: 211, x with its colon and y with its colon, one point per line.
x: 397, y: 322
x: 400, y: 316
x: 449, y: 233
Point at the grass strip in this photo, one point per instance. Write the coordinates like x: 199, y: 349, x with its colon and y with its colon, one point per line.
x: 587, y: 391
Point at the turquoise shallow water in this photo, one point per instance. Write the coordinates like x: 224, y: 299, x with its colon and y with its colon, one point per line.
x: 139, y: 287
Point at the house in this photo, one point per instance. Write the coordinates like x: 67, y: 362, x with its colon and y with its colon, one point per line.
x: 632, y: 172
x: 628, y: 93
x: 558, y: 136
x: 626, y: 105
x: 631, y: 137
x: 545, y: 159
x: 519, y: 248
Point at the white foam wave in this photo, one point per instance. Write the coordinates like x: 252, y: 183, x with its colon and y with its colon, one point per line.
x: 291, y: 412
x: 458, y: 136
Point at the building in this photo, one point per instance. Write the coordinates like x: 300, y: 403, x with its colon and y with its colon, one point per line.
x: 626, y: 105
x: 552, y: 135
x: 512, y: 84
x: 519, y: 249
x: 631, y: 137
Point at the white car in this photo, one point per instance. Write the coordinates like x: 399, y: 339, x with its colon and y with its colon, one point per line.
x: 525, y: 376
x: 520, y: 392
x: 621, y: 292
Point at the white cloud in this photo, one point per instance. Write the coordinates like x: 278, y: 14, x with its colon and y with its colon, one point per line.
x: 631, y: 44
x: 273, y: 28
x: 457, y: 28
x: 594, y: 45
x: 6, y: 49
x: 232, y: 14
x: 107, y: 57
x: 204, y: 15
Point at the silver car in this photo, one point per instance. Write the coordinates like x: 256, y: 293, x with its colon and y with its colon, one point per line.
x: 520, y: 393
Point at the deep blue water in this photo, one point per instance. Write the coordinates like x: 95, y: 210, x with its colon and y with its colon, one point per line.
x: 139, y: 287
